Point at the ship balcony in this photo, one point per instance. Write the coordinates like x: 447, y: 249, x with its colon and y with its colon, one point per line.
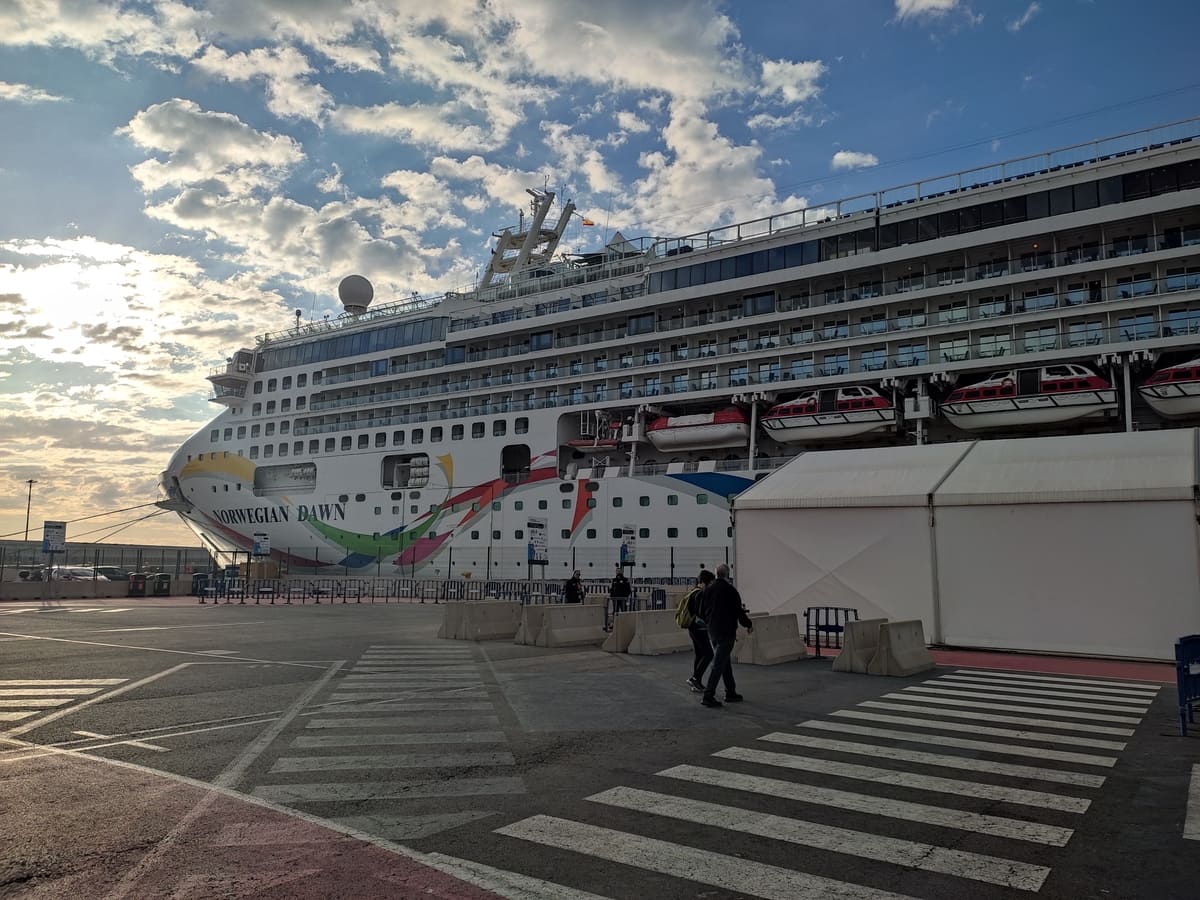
x: 232, y: 374
x: 229, y: 394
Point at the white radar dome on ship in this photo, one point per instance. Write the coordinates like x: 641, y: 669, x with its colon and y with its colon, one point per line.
x: 356, y: 294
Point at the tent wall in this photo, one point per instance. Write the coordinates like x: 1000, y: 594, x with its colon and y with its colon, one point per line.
x: 1113, y: 579
x: 875, y: 560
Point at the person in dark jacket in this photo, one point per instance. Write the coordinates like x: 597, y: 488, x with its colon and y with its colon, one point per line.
x: 573, y: 591
x: 698, y: 632
x: 722, y: 610
x: 620, y: 591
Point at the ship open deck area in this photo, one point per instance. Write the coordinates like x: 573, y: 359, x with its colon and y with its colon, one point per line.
x: 342, y: 750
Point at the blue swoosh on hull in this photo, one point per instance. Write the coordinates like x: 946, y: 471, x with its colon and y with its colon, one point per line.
x: 719, y: 483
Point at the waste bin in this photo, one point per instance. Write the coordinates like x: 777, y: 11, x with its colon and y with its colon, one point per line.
x: 199, y: 583
x: 160, y: 584
x: 137, y: 584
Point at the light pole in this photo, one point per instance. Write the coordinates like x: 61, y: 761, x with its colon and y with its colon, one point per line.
x: 28, y: 502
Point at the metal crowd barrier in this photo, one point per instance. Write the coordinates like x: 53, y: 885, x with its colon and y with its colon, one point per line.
x: 824, y: 626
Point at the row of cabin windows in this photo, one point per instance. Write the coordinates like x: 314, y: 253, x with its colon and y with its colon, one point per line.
x: 285, y: 406
x: 284, y: 384
x: 1038, y: 205
x: 391, y: 337
x: 591, y: 534
x: 380, y: 439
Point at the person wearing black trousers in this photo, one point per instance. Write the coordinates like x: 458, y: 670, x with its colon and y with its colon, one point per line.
x: 722, y: 610
x: 698, y: 632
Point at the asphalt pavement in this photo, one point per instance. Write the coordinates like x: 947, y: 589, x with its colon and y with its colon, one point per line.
x: 160, y: 748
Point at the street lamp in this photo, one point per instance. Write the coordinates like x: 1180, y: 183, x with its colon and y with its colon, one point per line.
x: 28, y: 502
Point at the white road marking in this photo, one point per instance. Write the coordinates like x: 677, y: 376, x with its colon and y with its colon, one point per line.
x: 1086, y: 759
x: 1045, y: 690
x: 391, y: 761
x: 1191, y: 823
x: 365, y: 695
x: 1095, y: 690
x: 740, y: 876
x: 930, y: 857
x: 416, y: 722
x: 34, y: 682
x: 500, y: 882
x: 108, y: 737
x: 16, y: 716
x: 966, y: 763
x: 936, y: 725
x: 931, y: 783
x: 1012, y: 707
x: 36, y: 702
x: 966, y: 693
x: 962, y: 820
x: 312, y: 742
x: 48, y: 692
x: 984, y: 673
x: 324, y: 709
x: 389, y: 790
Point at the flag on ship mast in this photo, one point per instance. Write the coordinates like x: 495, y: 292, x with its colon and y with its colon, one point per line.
x: 588, y: 222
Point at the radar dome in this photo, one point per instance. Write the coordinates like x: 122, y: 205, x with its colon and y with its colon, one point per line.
x: 356, y: 294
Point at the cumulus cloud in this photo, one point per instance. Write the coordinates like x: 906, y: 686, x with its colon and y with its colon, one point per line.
x: 850, y: 159
x: 912, y: 9
x: 1025, y: 18
x: 26, y: 93
x: 795, y: 82
x: 630, y: 121
x: 284, y: 71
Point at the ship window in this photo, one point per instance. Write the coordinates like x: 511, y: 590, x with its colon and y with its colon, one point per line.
x: 519, y: 534
x: 285, y: 427
x: 456, y: 432
x: 1062, y: 200
x: 592, y: 485
x: 301, y: 380
x: 643, y: 532
x: 301, y: 403
x: 1136, y: 185
x: 672, y: 499
x: 992, y: 214
x: 1037, y: 206
x: 566, y: 504
x: 566, y: 534
x: 253, y: 455
x: 927, y: 228
x: 618, y: 502
x: 518, y: 504
x: 347, y: 443
x: 381, y: 439
x: 1014, y: 210
x: 591, y: 503
x: 258, y: 387
x: 477, y: 429
x: 474, y: 535
x: 268, y: 451
x: 643, y: 501
x: 499, y: 427
x: 256, y: 409
x: 968, y: 219
x: 314, y: 447
x: 515, y: 460
x: 286, y: 384
x: 701, y: 499
x: 241, y: 432
x: 270, y: 407
x: 397, y: 438
x: 701, y: 532
x: 271, y: 384
x: 364, y: 441
x: 543, y: 504
x: 283, y: 449
x: 228, y: 434
x: 414, y: 509
x: 565, y: 488
x: 298, y: 448
x: 285, y: 405
x: 330, y: 445
x: 496, y: 535
x: 270, y: 429
x: 541, y: 340
x: 672, y: 533
x: 418, y: 435
x: 255, y: 430
x: 640, y: 324
x: 435, y: 434
x: 496, y: 506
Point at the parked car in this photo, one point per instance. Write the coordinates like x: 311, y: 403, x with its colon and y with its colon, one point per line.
x: 113, y: 573
x: 33, y: 573
x: 75, y: 573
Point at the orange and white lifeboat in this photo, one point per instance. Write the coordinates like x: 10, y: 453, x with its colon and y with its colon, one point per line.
x: 1174, y: 392
x: 701, y: 431
x: 830, y: 414
x: 1030, y: 397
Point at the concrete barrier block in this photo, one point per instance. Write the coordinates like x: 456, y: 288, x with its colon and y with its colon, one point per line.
x: 452, y: 614
x: 530, y: 627
x: 859, y: 642
x: 483, y: 621
x: 902, y: 650
x: 624, y: 625
x: 775, y: 639
x: 656, y: 633
x: 572, y: 625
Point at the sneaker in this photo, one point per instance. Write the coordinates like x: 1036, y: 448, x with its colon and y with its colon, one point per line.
x: 695, y: 685
x: 734, y: 698
x: 711, y: 702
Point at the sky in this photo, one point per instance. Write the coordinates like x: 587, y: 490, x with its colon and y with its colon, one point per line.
x: 180, y: 176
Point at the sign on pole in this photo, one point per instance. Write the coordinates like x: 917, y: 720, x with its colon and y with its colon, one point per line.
x: 539, y: 553
x: 262, y: 544
x: 628, y: 545
x: 54, y: 537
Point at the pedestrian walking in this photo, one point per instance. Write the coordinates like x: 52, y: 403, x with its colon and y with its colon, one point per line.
x: 573, y: 591
x: 722, y: 610
x: 698, y: 632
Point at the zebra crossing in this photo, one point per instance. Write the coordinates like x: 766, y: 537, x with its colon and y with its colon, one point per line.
x: 23, y: 698
x: 400, y: 725
x: 62, y: 609
x: 890, y: 794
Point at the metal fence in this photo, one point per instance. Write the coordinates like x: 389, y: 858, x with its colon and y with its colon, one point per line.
x: 26, y: 556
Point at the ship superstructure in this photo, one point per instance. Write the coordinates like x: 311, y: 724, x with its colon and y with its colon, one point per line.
x: 625, y: 396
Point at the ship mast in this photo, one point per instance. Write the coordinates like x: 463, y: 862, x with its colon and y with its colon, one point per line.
x: 524, y: 248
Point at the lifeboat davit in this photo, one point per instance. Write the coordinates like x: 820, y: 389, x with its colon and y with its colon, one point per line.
x: 702, y: 431
x: 1030, y: 397
x: 1174, y: 392
x: 830, y: 414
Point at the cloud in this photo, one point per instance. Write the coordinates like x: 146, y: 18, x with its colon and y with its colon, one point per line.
x: 26, y: 93
x: 283, y: 69
x: 795, y: 82
x: 1026, y: 17
x: 913, y: 9
x: 165, y: 31
x: 629, y: 121
x: 850, y: 159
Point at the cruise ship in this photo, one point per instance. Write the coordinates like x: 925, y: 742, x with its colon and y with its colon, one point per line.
x: 577, y: 411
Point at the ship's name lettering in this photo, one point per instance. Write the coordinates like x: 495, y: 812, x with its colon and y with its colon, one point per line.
x: 261, y: 515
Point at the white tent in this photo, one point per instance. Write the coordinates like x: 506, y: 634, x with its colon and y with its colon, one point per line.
x: 1082, y: 544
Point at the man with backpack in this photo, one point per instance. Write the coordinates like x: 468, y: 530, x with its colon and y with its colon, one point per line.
x: 722, y: 610
x: 687, y: 615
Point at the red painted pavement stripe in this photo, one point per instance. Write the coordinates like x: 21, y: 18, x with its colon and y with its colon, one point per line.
x: 1056, y: 665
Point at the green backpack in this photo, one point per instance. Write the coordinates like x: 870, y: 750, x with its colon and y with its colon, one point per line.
x: 683, y: 612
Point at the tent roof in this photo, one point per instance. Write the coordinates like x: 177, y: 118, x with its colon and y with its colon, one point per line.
x: 1140, y: 465
x: 875, y: 476
x: 1148, y: 465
